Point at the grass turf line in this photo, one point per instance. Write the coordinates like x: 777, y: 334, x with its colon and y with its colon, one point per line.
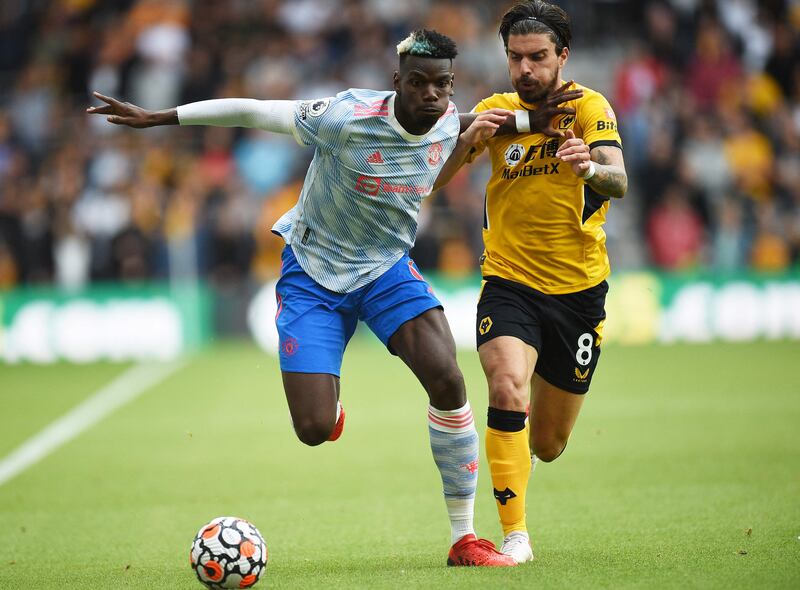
x: 682, y: 471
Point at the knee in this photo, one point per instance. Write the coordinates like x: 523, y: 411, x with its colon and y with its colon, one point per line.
x: 508, y: 391
x: 446, y: 390
x: 548, y: 448
x: 313, y: 432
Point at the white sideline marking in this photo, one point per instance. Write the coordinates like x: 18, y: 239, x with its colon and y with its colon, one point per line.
x: 125, y: 388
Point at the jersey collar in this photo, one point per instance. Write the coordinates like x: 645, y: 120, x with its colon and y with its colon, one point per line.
x: 400, y: 129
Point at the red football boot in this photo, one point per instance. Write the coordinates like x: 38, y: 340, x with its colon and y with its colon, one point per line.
x: 473, y: 551
x: 337, y: 430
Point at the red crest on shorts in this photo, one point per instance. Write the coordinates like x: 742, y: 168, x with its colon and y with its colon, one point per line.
x: 434, y: 154
x: 289, y: 346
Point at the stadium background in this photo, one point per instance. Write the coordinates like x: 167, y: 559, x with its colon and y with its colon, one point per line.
x: 128, y: 245
x: 707, y: 94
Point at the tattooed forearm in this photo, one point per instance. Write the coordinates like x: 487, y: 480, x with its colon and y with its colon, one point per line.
x: 610, y: 178
x: 609, y: 181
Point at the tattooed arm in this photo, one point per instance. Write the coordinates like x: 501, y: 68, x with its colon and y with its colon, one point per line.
x: 609, y: 177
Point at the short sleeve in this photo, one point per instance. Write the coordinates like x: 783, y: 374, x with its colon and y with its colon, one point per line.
x: 323, y: 122
x: 598, y: 122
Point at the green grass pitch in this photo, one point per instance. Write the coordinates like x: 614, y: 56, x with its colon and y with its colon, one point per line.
x: 683, y: 471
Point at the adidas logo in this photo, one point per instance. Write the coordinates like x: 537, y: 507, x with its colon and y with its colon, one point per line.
x: 375, y: 158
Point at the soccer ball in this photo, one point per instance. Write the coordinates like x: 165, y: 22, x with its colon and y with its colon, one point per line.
x: 228, y: 552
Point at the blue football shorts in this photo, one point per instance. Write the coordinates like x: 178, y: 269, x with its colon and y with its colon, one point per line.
x: 315, y: 324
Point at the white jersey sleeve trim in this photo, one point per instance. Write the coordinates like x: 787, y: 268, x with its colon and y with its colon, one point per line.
x: 271, y: 115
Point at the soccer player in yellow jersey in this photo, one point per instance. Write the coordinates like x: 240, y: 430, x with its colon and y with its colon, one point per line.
x: 541, y: 311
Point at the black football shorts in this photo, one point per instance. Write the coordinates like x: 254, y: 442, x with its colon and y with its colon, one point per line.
x: 566, y: 330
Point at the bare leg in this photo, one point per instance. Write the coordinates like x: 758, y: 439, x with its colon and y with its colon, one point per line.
x: 426, y: 345
x: 553, y: 415
x: 508, y: 363
x: 312, y: 401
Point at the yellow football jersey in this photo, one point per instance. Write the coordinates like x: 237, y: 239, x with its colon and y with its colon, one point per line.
x: 542, y: 223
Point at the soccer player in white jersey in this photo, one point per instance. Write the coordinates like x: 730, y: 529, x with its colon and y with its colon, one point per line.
x: 377, y: 155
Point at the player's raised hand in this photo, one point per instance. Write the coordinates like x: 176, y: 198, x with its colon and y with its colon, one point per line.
x: 125, y: 113
x: 541, y: 119
x: 575, y: 152
x: 485, y: 125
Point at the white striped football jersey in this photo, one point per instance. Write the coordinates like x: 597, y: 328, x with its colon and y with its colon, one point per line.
x: 357, y: 212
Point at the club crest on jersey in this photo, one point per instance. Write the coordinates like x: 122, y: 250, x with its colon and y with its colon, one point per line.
x: 514, y: 154
x: 566, y: 122
x: 435, y: 154
x: 318, y: 107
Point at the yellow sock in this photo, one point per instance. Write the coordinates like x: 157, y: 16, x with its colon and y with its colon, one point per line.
x: 509, y: 459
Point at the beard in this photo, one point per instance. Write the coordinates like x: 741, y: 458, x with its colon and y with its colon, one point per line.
x: 536, y: 91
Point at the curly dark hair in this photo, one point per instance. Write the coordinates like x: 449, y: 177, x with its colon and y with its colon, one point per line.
x: 537, y: 16
x: 427, y: 43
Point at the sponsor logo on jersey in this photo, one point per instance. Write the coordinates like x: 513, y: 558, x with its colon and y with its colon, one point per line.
x: 372, y: 185
x: 318, y: 107
x: 435, y: 154
x: 606, y: 126
x: 369, y: 185
x: 566, y: 122
x: 485, y: 325
x: 531, y: 170
x: 544, y: 150
x: 514, y: 154
x: 375, y: 158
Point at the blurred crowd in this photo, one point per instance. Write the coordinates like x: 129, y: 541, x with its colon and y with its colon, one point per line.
x: 707, y: 94
x: 709, y: 108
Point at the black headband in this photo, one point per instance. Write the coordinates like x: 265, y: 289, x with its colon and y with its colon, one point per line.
x: 552, y: 30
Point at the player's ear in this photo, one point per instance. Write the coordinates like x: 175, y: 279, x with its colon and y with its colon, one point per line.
x: 396, y: 81
x: 562, y: 59
x: 452, y: 84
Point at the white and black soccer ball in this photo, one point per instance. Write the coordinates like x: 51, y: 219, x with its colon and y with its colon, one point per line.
x: 228, y: 552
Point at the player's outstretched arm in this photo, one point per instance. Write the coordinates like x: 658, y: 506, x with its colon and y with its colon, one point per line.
x: 125, y: 113
x: 270, y: 115
x: 539, y: 120
x: 483, y: 126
